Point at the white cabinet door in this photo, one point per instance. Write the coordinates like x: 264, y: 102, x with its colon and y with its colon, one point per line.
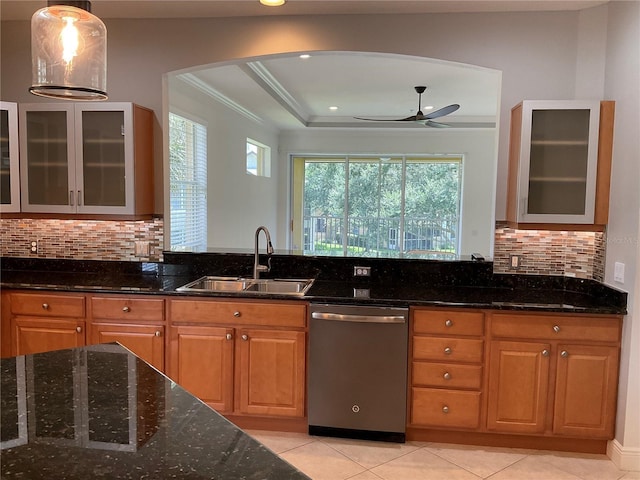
x: 558, y: 161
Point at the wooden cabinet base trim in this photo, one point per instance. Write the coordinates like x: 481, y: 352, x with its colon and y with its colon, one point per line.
x: 270, y: 424
x: 510, y: 441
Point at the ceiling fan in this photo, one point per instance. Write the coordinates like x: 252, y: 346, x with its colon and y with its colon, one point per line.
x: 420, y: 117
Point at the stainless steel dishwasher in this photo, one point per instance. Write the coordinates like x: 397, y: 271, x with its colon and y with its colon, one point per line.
x: 357, y: 384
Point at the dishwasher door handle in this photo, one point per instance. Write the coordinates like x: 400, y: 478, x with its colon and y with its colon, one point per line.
x: 341, y: 317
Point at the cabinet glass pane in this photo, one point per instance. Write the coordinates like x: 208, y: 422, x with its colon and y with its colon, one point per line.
x: 103, y: 162
x: 558, y: 162
x: 5, y: 162
x: 47, y: 164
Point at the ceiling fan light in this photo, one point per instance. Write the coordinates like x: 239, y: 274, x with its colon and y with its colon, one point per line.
x: 68, y: 53
x: 272, y: 3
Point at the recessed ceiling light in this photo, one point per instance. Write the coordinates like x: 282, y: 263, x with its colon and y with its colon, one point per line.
x: 304, y: 56
x: 333, y: 107
x: 429, y: 107
x: 272, y: 3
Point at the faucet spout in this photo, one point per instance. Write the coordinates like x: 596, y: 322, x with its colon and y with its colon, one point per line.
x: 257, y: 267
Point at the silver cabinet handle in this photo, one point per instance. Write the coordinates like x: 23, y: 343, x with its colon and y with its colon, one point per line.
x: 126, y: 309
x: 545, y: 353
x: 445, y: 409
x: 157, y: 334
x: 79, y: 198
x: 45, y: 306
x: 556, y: 328
x: 71, y: 197
x: 236, y: 314
x: 229, y: 336
x: 564, y: 354
x: 448, y: 323
x: 245, y: 337
x: 447, y: 376
x: 79, y: 329
x: 447, y: 351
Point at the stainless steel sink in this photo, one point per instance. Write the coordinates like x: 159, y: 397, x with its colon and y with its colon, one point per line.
x: 297, y: 287
x: 287, y: 287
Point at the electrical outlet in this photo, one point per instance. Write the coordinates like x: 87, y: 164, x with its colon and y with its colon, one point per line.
x: 514, y: 261
x: 34, y: 246
x: 618, y: 272
x: 141, y: 249
x: 361, y: 271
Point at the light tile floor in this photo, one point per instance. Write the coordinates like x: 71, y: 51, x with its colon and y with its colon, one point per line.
x: 325, y: 458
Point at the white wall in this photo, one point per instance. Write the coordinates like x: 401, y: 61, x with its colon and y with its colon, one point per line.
x: 622, y: 83
x: 237, y: 202
x: 539, y: 53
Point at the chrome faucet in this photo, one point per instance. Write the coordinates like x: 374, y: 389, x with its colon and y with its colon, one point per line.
x: 257, y: 268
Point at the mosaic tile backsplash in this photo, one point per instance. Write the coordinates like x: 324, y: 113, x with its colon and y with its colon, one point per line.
x: 544, y: 252
x: 82, y: 239
x: 573, y: 254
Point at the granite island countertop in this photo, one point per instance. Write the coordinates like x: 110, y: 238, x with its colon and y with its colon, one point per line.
x: 101, y: 412
x: 394, y: 283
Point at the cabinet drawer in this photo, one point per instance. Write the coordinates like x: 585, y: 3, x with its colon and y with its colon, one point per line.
x: 448, y: 375
x: 445, y: 408
x: 126, y: 308
x: 238, y: 313
x: 40, y: 305
x: 447, y: 349
x: 552, y: 327
x: 448, y: 322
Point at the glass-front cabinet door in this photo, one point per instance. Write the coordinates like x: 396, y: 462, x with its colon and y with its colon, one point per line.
x: 77, y: 158
x: 9, y: 158
x: 558, y: 161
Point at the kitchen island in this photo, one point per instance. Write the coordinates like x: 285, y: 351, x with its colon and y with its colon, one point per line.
x: 101, y: 412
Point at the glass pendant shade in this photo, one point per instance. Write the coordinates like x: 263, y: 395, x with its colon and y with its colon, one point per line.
x: 68, y: 53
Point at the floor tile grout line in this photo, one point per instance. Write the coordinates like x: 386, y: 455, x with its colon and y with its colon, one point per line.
x: 466, y: 469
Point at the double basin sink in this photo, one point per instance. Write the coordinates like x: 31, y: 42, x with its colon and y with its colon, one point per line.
x: 295, y: 287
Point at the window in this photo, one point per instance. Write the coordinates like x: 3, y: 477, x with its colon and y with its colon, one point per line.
x: 389, y: 206
x: 188, y: 183
x: 258, y: 159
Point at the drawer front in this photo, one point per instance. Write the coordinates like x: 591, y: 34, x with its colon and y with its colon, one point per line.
x: 552, y: 327
x: 447, y: 349
x: 127, y: 308
x: 40, y: 305
x: 238, y: 313
x: 448, y: 375
x: 445, y: 408
x: 448, y: 322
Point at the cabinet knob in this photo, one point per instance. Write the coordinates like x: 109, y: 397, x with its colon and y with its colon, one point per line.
x: 158, y: 333
x: 448, y: 323
x: 79, y: 329
x: 556, y: 328
x: 447, y: 376
x: 564, y: 354
x: 245, y: 337
x: 236, y: 314
x: 45, y: 306
x: 447, y: 351
x: 229, y: 336
x: 545, y: 353
x: 126, y: 309
x: 445, y: 409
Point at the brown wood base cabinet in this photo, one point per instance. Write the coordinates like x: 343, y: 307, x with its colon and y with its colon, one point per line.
x: 563, y: 381
x: 241, y: 357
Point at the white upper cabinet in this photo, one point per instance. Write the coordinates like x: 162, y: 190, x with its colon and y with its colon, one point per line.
x: 553, y: 162
x: 86, y: 158
x: 10, y: 160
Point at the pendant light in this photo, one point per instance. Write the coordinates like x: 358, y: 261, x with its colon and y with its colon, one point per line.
x: 68, y: 52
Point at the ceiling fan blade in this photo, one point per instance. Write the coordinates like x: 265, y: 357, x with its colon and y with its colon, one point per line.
x: 442, y: 112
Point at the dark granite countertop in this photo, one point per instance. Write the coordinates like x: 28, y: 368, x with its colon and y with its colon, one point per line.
x: 393, y: 282
x: 101, y: 412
